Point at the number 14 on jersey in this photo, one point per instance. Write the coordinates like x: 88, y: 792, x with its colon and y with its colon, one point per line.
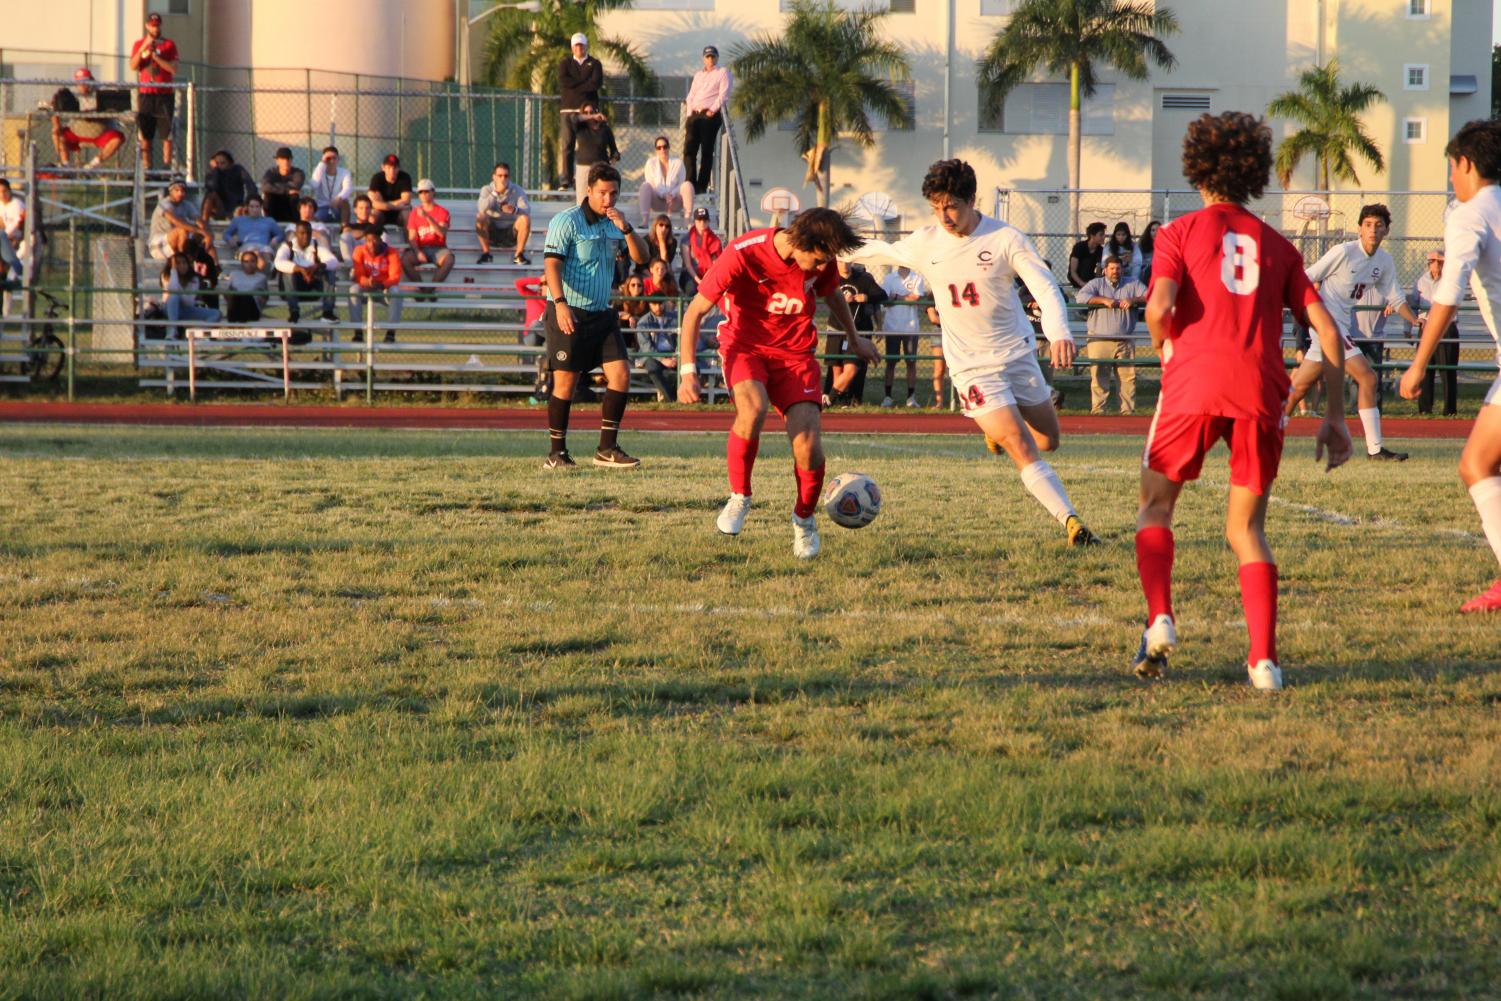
x: 970, y: 294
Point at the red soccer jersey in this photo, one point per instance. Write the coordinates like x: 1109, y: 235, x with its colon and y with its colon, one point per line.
x: 768, y: 302
x: 151, y: 72
x: 1235, y: 274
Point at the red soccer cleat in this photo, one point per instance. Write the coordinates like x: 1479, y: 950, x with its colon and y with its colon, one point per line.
x: 1487, y: 601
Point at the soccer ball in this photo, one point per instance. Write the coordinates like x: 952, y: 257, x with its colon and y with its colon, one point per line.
x: 853, y: 500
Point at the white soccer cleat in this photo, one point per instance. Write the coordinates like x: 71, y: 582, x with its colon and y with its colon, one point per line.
x: 805, y: 543
x: 732, y: 519
x: 1265, y: 675
x: 1157, y: 641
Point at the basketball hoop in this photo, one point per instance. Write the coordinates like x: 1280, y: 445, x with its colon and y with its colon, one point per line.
x: 1311, y: 208
x: 780, y: 200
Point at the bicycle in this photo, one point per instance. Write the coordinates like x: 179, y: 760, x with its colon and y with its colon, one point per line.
x: 45, y: 354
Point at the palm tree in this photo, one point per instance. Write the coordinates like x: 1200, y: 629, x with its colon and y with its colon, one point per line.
x: 828, y: 71
x: 1332, y: 132
x: 525, y: 47
x: 1075, y: 37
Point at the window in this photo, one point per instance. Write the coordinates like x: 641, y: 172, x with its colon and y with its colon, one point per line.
x: 1185, y: 101
x: 1415, y: 76
x: 1418, y: 8
x: 908, y: 90
x: 1414, y: 130
x: 167, y: 7
x: 1042, y: 109
x: 904, y: 6
x: 995, y: 8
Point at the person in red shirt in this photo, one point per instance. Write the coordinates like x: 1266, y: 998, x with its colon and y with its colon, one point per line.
x: 1220, y: 280
x: 701, y: 249
x: 427, y: 236
x: 375, y: 271
x: 154, y: 58
x: 767, y: 281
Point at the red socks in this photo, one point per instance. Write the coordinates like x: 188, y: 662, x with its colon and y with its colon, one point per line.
x: 1154, y: 564
x: 809, y: 486
x: 742, y: 456
x: 1258, y: 596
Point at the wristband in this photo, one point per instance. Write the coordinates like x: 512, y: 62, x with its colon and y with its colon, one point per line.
x: 687, y: 368
x: 560, y: 301
x: 629, y: 229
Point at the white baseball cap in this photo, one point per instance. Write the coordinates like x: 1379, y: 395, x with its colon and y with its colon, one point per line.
x: 579, y: 38
x: 426, y: 185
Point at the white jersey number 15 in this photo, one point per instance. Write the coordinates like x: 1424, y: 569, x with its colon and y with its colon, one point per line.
x: 1240, y: 267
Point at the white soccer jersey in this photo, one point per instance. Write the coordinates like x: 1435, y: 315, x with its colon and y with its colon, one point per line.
x: 1343, y: 276
x: 1472, y: 253
x: 973, y: 279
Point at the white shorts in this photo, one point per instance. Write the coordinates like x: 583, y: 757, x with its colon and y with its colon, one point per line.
x: 1017, y: 383
x: 1493, y: 395
x: 1315, y: 351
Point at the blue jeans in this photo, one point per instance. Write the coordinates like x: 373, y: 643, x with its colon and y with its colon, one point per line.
x: 8, y: 258
x: 180, y: 310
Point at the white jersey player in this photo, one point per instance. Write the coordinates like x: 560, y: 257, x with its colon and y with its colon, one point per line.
x: 1472, y: 257
x: 971, y: 262
x: 1344, y: 276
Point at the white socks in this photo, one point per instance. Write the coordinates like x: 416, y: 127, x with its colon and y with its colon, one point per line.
x: 1370, y: 420
x: 1487, y: 497
x: 1043, y: 483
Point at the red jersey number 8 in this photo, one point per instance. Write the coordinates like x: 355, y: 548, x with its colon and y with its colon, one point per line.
x: 1240, y: 267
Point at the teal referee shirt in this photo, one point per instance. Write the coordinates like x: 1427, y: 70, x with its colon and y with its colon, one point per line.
x: 586, y: 243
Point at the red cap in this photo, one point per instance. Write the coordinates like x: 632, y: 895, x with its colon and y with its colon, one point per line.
x: 153, y: 19
x: 82, y: 73
x: 393, y: 160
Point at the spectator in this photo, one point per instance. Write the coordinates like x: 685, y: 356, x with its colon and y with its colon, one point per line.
x: 1121, y: 246
x: 530, y: 290
x: 227, y: 188
x: 504, y: 215
x: 246, y: 301
x: 179, y: 291
x: 593, y: 143
x: 12, y: 232
x: 630, y: 306
x: 427, y: 236
x: 1447, y: 357
x: 391, y: 193
x: 580, y: 76
x: 901, y: 285
x: 353, y: 235
x: 658, y: 278
x: 281, y: 187
x: 377, y: 270
x: 1112, y: 319
x: 307, y: 211
x: 311, y: 268
x: 1084, y: 259
x: 700, y: 250
x: 705, y: 106
x: 1144, y: 247
x: 656, y: 335
x: 665, y: 184
x: 175, y: 221
x: 332, y: 188
x: 250, y: 230
x: 154, y: 58
x: 85, y: 126
x: 660, y: 241
x: 845, y: 381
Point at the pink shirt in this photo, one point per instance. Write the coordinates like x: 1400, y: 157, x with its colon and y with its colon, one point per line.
x: 711, y: 88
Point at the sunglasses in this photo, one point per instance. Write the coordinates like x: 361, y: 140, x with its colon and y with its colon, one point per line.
x: 661, y: 145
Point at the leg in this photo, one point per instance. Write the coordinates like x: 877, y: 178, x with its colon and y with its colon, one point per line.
x: 1368, y: 405
x: 1245, y: 529
x: 523, y: 231
x: 686, y: 193
x: 751, y: 406
x: 1154, y: 568
x: 803, y: 431
x: 566, y: 135
x: 1099, y: 375
x: 1008, y: 429
x: 643, y: 202
x: 1125, y: 351
x: 690, y: 148
x: 1449, y: 355
x: 409, y: 264
x: 482, y: 233
x: 445, y: 265
x: 939, y: 369
x: 1480, y: 469
x: 1304, y: 378
x: 710, y: 129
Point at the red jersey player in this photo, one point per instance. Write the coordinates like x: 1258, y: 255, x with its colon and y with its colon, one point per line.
x: 768, y: 280
x: 1220, y: 280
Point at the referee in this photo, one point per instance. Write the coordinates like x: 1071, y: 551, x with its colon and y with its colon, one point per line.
x: 583, y: 330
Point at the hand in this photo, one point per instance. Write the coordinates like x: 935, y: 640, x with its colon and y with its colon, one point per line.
x: 1412, y: 382
x: 1334, y: 437
x: 613, y: 214
x: 565, y: 317
x: 1122, y: 304
x: 861, y: 297
x: 688, y: 391
x: 865, y: 349
x: 1061, y: 353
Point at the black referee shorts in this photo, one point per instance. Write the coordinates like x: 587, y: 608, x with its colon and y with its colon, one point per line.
x: 596, y: 339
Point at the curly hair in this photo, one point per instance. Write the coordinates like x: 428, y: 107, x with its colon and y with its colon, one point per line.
x: 1480, y: 143
x: 1377, y: 210
x: 823, y: 231
x: 1229, y: 154
x: 950, y: 177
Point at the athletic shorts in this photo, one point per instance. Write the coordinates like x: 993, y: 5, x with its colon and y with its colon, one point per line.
x: 901, y: 346
x: 154, y: 115
x: 1017, y: 383
x: 1493, y: 395
x: 72, y: 141
x: 500, y: 232
x: 1316, y: 353
x: 788, y: 381
x: 596, y: 339
x: 1177, y: 444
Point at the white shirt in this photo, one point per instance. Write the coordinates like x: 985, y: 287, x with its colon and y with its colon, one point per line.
x: 902, y: 319
x: 974, y: 281
x: 1344, y: 274
x: 12, y: 216
x: 1472, y: 253
x: 289, y: 257
x: 665, y: 183
x: 327, y: 189
x: 320, y: 236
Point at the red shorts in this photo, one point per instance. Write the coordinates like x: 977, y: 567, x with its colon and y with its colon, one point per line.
x: 788, y: 381
x: 72, y: 141
x: 1177, y: 444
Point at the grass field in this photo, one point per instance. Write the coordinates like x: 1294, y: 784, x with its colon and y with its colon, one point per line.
x: 313, y: 714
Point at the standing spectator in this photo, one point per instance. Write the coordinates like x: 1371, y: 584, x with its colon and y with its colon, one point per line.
x: 376, y: 271
x: 594, y: 143
x: 1421, y: 300
x: 154, y: 58
x: 656, y: 336
x: 391, y: 193
x: 332, y: 188
x: 1144, y: 248
x: 1084, y: 259
x: 427, y: 236
x: 281, y: 187
x: 705, y: 105
x: 1121, y: 246
x: 845, y: 382
x: 227, y: 187
x: 902, y: 284
x: 311, y: 268
x: 504, y: 215
x: 580, y: 76
x: 246, y: 298
x: 1112, y: 299
x: 251, y: 231
x: 85, y: 126
x: 175, y: 221
x: 179, y: 294
x: 665, y: 184
x: 353, y: 235
x: 700, y: 250
x: 12, y: 231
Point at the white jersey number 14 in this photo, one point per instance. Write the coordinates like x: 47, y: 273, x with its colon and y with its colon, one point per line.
x: 1240, y: 267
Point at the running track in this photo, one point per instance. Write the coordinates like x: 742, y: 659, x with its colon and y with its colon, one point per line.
x: 587, y: 418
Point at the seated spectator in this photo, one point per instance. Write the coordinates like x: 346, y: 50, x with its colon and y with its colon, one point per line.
x: 427, y: 236
x: 281, y: 187
x: 352, y: 235
x: 174, y: 220
x: 246, y: 301
x: 661, y: 242
x: 307, y: 209
x: 391, y: 193
x: 665, y: 187
x: 656, y: 334
x: 593, y: 143
x: 530, y: 290
x: 1123, y: 248
x: 85, y: 126
x: 630, y: 305
x: 332, y: 188
x: 1084, y: 260
x: 251, y: 230
x: 700, y: 250
x: 312, y: 269
x: 377, y: 270
x: 12, y: 232
x: 658, y: 281
x: 180, y: 287
x: 504, y: 216
x: 227, y: 187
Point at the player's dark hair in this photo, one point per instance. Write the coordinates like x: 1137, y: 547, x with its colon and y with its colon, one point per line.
x: 1229, y: 154
x: 823, y: 231
x: 1480, y: 143
x: 1094, y: 229
x: 1374, y: 209
x: 603, y: 172
x: 950, y: 177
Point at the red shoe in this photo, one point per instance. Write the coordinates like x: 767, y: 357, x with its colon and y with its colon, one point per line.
x: 1489, y: 601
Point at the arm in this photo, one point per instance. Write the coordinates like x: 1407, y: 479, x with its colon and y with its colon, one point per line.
x: 899, y: 254
x: 594, y: 74
x: 552, y: 276
x: 284, y: 260
x: 1465, y: 235
x: 1396, y: 302
x: 1027, y: 263
x: 693, y: 318
x: 1160, y: 305
x: 345, y: 190
x: 1324, y: 266
x: 839, y: 312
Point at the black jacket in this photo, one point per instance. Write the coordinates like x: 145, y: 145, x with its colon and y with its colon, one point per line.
x: 594, y: 145
x: 579, y: 83
x: 865, y: 312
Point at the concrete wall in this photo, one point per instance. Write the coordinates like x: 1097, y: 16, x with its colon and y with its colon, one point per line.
x: 405, y: 38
